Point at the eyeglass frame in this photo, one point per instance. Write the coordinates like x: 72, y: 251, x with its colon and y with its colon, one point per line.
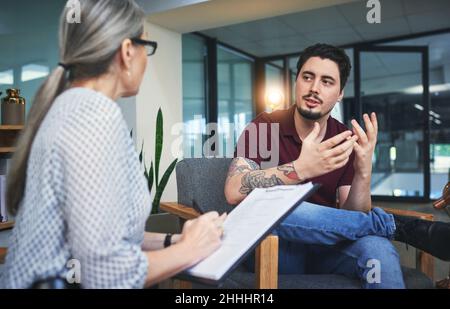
x: 146, y: 44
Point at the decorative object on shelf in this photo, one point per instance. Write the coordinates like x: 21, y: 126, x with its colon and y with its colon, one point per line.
x: 13, y: 108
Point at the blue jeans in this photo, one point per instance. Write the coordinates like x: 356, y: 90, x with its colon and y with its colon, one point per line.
x: 321, y: 240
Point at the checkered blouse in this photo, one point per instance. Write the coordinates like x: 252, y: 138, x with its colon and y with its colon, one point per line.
x: 86, y: 198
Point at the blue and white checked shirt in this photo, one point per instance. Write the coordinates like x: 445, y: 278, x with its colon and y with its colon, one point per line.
x: 86, y: 198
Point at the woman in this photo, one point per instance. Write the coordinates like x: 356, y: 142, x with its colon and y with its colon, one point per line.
x: 76, y: 184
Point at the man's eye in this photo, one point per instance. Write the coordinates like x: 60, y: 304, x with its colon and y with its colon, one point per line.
x: 307, y: 77
x: 327, y: 82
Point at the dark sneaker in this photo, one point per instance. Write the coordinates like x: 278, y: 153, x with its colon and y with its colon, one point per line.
x: 430, y: 236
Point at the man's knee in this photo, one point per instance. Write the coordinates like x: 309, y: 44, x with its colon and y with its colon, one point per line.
x: 378, y: 248
x: 379, y: 261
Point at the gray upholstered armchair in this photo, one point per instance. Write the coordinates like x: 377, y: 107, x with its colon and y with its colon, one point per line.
x: 200, y: 185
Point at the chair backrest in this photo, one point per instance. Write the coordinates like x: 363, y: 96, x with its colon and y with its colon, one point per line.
x: 200, y: 183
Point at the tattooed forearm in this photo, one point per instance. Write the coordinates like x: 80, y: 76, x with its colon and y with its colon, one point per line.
x: 289, y: 171
x: 236, y: 168
x: 257, y: 179
x: 252, y: 164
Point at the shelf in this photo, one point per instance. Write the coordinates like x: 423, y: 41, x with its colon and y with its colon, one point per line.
x: 11, y: 128
x: 7, y: 149
x: 6, y: 225
x: 3, y: 255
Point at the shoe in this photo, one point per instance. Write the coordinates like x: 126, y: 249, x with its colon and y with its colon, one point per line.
x: 430, y: 236
x: 444, y: 201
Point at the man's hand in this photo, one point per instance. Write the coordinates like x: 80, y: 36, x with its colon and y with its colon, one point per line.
x: 365, y: 146
x: 318, y: 158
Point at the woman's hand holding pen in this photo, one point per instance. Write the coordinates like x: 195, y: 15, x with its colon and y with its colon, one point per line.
x: 202, y: 236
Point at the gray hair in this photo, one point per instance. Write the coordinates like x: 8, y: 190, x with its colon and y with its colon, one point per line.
x: 87, y: 49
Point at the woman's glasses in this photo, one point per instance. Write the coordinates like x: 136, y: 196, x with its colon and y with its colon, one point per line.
x: 149, y: 45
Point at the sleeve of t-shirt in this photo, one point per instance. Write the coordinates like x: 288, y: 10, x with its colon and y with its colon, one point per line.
x: 347, y: 177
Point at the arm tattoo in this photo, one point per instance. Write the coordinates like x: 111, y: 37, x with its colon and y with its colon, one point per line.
x: 256, y: 179
x: 252, y: 164
x: 289, y: 171
x: 236, y: 169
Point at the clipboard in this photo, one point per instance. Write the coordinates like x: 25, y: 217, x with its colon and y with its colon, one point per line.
x: 185, y: 275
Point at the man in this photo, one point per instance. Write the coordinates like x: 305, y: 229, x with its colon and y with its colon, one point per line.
x: 337, y: 231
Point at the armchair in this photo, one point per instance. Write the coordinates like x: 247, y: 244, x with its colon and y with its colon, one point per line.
x: 200, y: 184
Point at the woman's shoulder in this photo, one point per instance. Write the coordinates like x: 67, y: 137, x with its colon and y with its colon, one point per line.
x: 84, y: 103
x: 85, y: 99
x: 83, y: 111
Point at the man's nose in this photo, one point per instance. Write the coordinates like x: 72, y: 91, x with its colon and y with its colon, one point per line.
x: 315, y: 87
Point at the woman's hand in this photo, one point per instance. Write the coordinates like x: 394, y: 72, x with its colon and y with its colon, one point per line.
x: 202, y: 236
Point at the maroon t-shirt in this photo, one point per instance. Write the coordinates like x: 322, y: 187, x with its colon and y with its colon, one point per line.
x: 257, y: 142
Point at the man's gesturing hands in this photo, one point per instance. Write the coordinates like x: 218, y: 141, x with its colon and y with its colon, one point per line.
x: 365, y: 146
x: 318, y: 158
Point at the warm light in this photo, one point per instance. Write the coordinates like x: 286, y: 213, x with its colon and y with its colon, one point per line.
x: 274, y: 98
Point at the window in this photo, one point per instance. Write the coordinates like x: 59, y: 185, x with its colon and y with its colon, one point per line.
x: 194, y: 95
x: 235, y: 92
x: 29, y: 49
x: 275, y: 91
x: 439, y: 114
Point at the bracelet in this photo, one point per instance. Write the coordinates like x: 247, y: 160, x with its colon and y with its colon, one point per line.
x: 168, y: 240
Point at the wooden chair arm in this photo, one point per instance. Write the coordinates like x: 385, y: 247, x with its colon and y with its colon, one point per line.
x: 179, y: 210
x: 410, y: 213
x: 424, y: 261
x: 266, y: 263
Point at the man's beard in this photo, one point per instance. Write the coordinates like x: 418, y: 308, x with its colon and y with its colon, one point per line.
x: 309, y: 114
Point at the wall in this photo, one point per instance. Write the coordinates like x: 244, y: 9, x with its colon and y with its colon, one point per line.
x: 128, y: 107
x: 161, y: 87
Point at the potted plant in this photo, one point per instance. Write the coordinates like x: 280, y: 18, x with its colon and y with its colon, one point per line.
x: 158, y: 222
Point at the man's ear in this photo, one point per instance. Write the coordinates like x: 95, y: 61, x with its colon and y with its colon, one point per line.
x: 341, y: 96
x: 126, y: 53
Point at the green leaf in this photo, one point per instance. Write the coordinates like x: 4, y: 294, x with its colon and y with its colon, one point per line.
x: 158, y: 143
x: 162, y: 185
x: 142, y: 153
x: 150, y: 178
x: 145, y: 172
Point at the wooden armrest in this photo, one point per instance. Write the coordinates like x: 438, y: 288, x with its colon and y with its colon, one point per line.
x: 6, y: 225
x: 410, y: 213
x: 266, y: 263
x: 3, y: 255
x: 424, y: 261
x: 179, y: 210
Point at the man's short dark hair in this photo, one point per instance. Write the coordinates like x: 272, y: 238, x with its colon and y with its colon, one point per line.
x: 326, y: 51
